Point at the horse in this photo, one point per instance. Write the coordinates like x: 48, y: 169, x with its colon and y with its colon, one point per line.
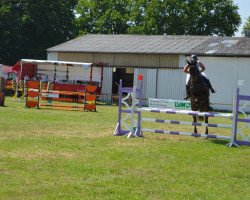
x: 199, y: 94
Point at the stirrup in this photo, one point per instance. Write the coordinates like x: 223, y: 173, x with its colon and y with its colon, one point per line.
x: 186, y: 98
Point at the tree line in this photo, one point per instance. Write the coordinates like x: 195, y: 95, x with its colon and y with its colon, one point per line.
x: 28, y: 27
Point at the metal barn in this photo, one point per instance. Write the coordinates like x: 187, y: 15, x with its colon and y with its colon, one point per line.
x: 161, y: 59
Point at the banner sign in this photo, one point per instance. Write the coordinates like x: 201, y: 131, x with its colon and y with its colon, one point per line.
x: 169, y: 103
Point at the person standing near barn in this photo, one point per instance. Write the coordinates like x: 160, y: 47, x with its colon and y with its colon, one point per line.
x: 201, y: 68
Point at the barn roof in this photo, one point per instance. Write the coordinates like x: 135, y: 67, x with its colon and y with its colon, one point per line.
x: 224, y: 46
x: 157, y: 44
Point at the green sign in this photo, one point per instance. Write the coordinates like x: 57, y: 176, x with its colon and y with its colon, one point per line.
x: 182, y: 105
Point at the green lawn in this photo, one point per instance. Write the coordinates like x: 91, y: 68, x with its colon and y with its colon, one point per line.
x: 52, y: 154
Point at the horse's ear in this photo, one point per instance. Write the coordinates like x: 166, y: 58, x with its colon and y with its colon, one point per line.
x: 189, y: 63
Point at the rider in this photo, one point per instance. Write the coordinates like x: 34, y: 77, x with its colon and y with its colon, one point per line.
x: 199, y: 65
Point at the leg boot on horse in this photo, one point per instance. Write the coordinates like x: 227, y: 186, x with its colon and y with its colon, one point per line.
x: 209, y: 85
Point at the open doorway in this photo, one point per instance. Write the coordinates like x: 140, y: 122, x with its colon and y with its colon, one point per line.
x: 126, y: 74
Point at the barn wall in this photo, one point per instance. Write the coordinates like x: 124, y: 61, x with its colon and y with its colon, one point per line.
x: 162, y: 83
x: 107, y: 84
x: 170, y: 84
x: 149, y: 81
x: 156, y: 68
x: 122, y: 60
x: 163, y: 76
x: 147, y: 64
x: 86, y: 57
x: 224, y: 72
x: 243, y: 74
x: 52, y: 56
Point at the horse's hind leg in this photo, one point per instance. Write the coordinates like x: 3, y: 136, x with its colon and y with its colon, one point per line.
x: 195, y: 120
x: 206, y: 121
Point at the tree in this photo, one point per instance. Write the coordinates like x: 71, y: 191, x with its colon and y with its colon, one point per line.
x: 29, y: 27
x: 171, y: 17
x: 246, y: 25
x: 9, y: 29
x: 106, y: 16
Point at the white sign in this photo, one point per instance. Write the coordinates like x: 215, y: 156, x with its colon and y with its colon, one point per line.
x: 169, y: 103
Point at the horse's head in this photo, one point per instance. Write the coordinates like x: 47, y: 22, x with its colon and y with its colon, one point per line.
x: 193, y: 69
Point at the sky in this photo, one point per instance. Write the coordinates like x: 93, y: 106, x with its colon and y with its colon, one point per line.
x: 244, y: 11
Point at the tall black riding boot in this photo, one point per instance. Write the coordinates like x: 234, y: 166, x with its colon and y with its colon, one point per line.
x: 210, y: 86
x: 188, y: 92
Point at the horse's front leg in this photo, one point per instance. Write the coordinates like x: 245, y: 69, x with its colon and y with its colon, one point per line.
x: 206, y: 121
x: 195, y: 120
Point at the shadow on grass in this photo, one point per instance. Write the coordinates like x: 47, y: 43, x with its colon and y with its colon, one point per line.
x: 221, y: 142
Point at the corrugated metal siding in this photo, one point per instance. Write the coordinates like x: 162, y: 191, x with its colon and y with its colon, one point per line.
x: 162, y: 83
x: 145, y: 60
x: 107, y: 84
x: 102, y: 57
x: 87, y: 57
x: 170, y: 84
x: 149, y: 81
x: 75, y: 57
x: 224, y: 73
x: 128, y: 60
x: 136, y: 60
x: 243, y: 74
x: 52, y: 56
x: 182, y: 61
x: 170, y: 61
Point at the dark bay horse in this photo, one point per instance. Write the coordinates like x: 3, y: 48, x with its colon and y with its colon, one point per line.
x: 199, y: 93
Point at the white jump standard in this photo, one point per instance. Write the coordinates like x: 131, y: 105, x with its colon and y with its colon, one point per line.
x: 135, y: 111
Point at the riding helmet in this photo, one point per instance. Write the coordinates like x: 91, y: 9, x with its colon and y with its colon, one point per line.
x: 194, y: 57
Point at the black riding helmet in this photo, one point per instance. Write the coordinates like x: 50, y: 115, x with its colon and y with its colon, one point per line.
x: 194, y: 57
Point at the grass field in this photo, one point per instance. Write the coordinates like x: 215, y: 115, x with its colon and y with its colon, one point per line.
x: 52, y: 154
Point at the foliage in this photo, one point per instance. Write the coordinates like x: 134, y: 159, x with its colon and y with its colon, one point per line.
x: 106, y: 16
x: 247, y: 24
x: 52, y: 154
x: 171, y: 17
x: 28, y: 28
x: 10, y: 25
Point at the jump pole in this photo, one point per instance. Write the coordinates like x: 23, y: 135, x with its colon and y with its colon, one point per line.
x: 234, y: 117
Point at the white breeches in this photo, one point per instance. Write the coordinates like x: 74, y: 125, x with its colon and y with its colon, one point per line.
x: 188, y: 77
